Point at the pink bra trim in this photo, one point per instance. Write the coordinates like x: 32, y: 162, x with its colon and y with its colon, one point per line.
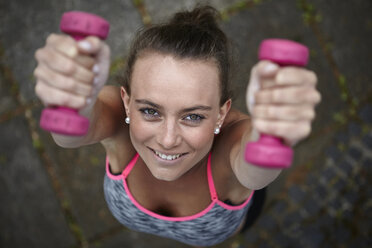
x: 162, y: 217
x: 119, y: 177
x: 212, y: 190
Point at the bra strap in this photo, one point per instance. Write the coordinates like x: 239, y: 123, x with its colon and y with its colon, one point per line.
x: 212, y: 188
x: 130, y: 166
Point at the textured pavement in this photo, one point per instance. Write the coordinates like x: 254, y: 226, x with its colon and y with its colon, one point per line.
x: 53, y: 197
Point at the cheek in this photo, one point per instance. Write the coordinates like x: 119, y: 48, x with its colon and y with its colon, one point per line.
x: 138, y: 129
x: 200, y: 138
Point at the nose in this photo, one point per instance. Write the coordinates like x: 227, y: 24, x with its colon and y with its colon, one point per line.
x: 169, y: 135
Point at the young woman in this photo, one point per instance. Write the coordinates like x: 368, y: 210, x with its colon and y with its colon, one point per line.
x: 175, y: 165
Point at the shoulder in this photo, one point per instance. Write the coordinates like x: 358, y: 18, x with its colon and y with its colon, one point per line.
x: 232, y: 131
x: 111, y: 95
x: 109, y: 106
x: 226, y: 147
x: 227, y: 143
x: 109, y: 114
x: 113, y: 116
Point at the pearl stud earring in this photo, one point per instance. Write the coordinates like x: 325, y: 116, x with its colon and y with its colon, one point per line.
x: 127, y: 120
x: 217, y: 130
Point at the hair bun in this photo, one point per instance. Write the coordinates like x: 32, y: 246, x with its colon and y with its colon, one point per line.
x: 204, y: 16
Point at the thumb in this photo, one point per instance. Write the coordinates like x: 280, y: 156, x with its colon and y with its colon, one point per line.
x: 266, y: 69
x: 262, y: 75
x: 253, y: 87
x: 102, y: 67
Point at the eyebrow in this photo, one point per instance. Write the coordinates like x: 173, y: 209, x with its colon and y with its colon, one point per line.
x: 198, y: 107
x: 142, y: 101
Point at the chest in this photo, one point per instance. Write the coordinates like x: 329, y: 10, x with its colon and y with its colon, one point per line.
x: 216, y: 223
x: 172, y: 199
x: 185, y: 198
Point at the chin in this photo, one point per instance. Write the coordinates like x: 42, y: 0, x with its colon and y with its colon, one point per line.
x: 160, y: 175
x: 164, y: 178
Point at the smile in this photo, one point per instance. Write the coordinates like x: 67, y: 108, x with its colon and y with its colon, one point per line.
x: 167, y: 157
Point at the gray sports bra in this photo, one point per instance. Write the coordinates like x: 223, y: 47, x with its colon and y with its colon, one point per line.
x: 211, y: 226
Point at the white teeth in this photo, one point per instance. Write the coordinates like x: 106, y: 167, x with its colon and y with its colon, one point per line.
x: 167, y: 157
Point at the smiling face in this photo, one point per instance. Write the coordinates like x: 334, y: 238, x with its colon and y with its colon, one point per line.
x: 173, y: 109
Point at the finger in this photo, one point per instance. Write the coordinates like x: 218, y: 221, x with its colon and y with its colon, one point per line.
x: 69, y: 48
x: 295, y: 76
x: 91, y: 45
x: 86, y: 61
x: 267, y: 71
x: 291, y: 132
x: 62, y: 82
x: 54, y: 96
x: 62, y: 64
x: 97, y: 48
x: 284, y: 112
x: 104, y: 53
x: 266, y: 68
x: 64, y: 44
x: 288, y: 95
x: 262, y: 75
x: 267, y: 82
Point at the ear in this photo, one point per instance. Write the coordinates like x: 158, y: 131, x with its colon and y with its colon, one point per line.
x: 125, y: 98
x: 224, y: 109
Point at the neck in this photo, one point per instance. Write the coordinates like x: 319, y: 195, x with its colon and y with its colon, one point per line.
x: 197, y: 171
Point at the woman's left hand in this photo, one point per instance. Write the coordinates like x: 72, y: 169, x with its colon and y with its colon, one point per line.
x: 282, y: 100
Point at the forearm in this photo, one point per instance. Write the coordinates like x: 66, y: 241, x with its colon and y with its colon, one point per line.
x: 77, y: 141
x: 252, y: 176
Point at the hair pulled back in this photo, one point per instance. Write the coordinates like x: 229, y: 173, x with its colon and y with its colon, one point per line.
x: 190, y: 34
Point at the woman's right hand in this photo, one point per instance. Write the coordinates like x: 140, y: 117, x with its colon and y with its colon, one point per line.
x: 71, y: 73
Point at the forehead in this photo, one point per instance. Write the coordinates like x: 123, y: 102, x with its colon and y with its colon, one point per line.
x: 168, y: 80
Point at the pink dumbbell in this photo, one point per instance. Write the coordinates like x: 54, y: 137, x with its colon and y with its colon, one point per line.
x: 269, y: 151
x: 65, y: 120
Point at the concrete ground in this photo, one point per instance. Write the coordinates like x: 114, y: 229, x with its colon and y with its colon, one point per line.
x: 52, y: 197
